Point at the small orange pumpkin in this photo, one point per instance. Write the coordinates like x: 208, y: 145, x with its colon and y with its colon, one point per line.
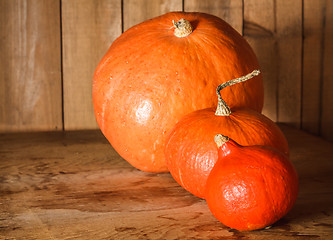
x: 160, y: 70
x: 190, y: 153
x: 250, y: 187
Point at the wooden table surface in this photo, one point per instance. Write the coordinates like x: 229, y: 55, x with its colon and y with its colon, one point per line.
x: 73, y: 185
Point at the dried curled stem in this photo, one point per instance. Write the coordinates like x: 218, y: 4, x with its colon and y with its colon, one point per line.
x: 222, y: 107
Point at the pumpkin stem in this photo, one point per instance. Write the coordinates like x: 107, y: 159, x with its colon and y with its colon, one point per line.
x: 222, y: 107
x: 220, y: 139
x: 183, y: 28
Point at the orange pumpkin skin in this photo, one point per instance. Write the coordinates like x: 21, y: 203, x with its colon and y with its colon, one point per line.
x: 251, y: 187
x: 150, y: 78
x: 191, y: 154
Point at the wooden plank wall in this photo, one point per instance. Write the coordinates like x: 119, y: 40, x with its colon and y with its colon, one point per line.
x: 30, y: 65
x: 88, y: 29
x: 50, y: 48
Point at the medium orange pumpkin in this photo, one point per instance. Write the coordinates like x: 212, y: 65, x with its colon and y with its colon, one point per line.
x: 190, y: 152
x: 150, y: 78
x: 250, y: 187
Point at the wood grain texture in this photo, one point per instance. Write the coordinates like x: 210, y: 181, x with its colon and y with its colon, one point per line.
x: 274, y: 30
x: 89, y: 28
x: 30, y: 66
x: 137, y: 11
x: 73, y: 185
x: 230, y: 11
x: 261, y: 32
x: 327, y: 71
x: 289, y: 36
x: 313, y: 50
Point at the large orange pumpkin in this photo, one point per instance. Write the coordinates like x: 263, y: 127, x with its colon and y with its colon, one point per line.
x: 150, y: 78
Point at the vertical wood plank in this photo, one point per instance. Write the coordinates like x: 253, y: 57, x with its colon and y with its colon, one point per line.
x: 230, y: 11
x: 327, y: 87
x: 313, y: 25
x: 89, y: 27
x: 260, y: 31
x: 137, y: 11
x: 289, y: 34
x: 30, y: 65
x: 274, y: 30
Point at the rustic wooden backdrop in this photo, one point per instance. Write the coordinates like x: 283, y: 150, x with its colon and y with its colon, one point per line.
x: 49, y: 50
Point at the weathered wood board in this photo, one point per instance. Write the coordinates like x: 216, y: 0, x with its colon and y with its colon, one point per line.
x: 75, y: 186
